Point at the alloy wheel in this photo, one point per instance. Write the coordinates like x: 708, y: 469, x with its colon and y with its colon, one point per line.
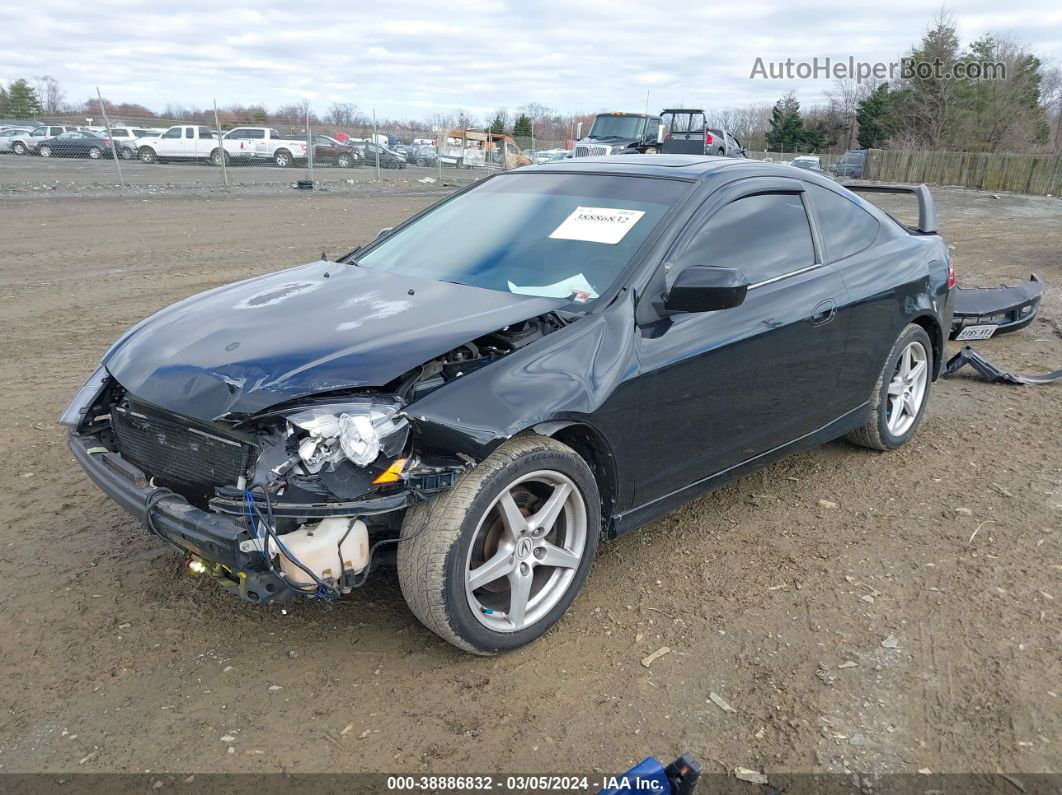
x: 45, y: 151
x: 526, y: 550
x: 907, y: 389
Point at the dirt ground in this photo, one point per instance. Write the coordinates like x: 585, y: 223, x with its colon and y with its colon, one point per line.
x: 869, y: 612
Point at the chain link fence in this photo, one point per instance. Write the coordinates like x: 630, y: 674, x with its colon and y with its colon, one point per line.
x: 219, y: 147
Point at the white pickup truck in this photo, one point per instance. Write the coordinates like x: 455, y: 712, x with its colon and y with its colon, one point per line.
x: 263, y: 143
x: 192, y: 142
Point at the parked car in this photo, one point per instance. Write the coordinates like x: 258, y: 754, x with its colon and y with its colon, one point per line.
x: 125, y: 139
x: 405, y: 150
x: 262, y: 143
x: 851, y: 164
x: 27, y: 142
x: 424, y: 156
x: 686, y: 131
x: 79, y: 143
x: 388, y: 157
x: 552, y: 355
x: 807, y: 162
x: 329, y: 150
x: 8, y: 136
x: 184, y: 142
x: 620, y: 134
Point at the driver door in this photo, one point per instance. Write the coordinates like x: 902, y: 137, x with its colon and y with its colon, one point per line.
x: 719, y: 389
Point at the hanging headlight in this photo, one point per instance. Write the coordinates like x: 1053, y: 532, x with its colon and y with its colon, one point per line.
x: 358, y: 432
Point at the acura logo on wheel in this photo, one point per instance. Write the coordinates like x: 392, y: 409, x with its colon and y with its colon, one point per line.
x: 523, y: 547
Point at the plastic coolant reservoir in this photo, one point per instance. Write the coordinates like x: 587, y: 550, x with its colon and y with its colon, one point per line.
x: 318, y: 548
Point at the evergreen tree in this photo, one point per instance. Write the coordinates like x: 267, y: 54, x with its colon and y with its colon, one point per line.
x: 3, y: 102
x: 22, y: 101
x: 785, y: 129
x: 522, y: 127
x: 498, y: 125
x: 874, y: 120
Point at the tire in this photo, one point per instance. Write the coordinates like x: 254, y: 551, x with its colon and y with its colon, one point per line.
x: 447, y: 540
x: 127, y: 153
x: 219, y: 156
x: 650, y: 150
x: 345, y: 161
x: 721, y: 152
x: 885, y: 429
x: 18, y: 148
x: 147, y: 155
x: 283, y: 158
x: 420, y: 162
x: 95, y: 153
x: 44, y: 151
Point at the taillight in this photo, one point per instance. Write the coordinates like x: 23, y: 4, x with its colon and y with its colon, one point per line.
x: 667, y: 137
x: 951, y: 274
x: 106, y: 141
x: 708, y: 139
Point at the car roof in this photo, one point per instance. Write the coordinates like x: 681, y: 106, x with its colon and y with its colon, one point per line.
x: 682, y: 166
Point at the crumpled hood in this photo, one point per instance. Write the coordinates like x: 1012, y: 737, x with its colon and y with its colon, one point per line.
x: 319, y: 327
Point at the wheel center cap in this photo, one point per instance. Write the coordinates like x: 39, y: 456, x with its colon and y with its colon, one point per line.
x: 524, y: 547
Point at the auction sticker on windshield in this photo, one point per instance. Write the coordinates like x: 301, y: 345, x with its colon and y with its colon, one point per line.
x: 597, y: 225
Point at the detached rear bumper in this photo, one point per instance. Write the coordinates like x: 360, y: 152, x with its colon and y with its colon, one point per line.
x: 1006, y: 308
x: 214, y: 537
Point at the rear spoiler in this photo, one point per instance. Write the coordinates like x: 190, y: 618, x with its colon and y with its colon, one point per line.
x: 927, y: 210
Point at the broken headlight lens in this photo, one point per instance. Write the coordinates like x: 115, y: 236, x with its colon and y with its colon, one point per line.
x: 358, y: 432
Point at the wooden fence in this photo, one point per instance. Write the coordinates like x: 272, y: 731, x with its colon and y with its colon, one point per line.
x: 1036, y: 174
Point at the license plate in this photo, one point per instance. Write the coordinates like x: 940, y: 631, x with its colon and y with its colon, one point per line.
x: 977, y: 332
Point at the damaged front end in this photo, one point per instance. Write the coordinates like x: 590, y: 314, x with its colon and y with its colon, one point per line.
x: 295, y: 500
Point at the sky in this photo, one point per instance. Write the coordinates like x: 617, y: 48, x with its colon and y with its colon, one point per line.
x: 411, y: 58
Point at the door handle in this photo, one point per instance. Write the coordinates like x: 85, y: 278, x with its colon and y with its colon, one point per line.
x: 824, y: 312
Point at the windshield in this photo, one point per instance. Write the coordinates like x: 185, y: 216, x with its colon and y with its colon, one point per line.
x: 617, y: 127
x: 550, y: 235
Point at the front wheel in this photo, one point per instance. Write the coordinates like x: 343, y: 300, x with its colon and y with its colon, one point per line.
x: 494, y: 563
x: 147, y: 155
x: 650, y: 150
x: 95, y: 152
x: 420, y: 161
x: 127, y: 153
x: 898, y: 402
x: 44, y: 151
x: 345, y: 161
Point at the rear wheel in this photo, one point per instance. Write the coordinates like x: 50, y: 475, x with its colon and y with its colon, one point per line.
x: 95, y: 152
x: 901, y: 393
x: 219, y: 157
x: 147, y: 155
x: 492, y: 564
x: 345, y: 161
x: 420, y: 161
x: 18, y: 148
x: 283, y: 158
x: 44, y: 151
x: 127, y: 153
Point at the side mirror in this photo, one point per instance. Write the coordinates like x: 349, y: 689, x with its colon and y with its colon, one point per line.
x: 702, y: 288
x: 384, y: 231
x: 660, y: 133
x: 578, y: 130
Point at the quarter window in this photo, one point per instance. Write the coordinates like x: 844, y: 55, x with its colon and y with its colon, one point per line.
x: 763, y: 236
x: 846, y: 227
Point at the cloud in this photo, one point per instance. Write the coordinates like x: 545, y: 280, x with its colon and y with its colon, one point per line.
x: 409, y: 57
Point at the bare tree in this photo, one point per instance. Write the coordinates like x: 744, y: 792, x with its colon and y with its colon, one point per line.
x: 344, y: 114
x: 49, y: 92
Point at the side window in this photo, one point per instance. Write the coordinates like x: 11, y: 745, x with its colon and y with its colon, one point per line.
x: 238, y: 133
x: 254, y: 134
x: 40, y: 133
x: 763, y: 236
x: 189, y: 132
x: 204, y: 132
x: 846, y: 227
x: 173, y: 132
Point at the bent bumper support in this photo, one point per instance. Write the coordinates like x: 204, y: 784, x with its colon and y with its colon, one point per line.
x: 989, y: 372
x: 214, y: 537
